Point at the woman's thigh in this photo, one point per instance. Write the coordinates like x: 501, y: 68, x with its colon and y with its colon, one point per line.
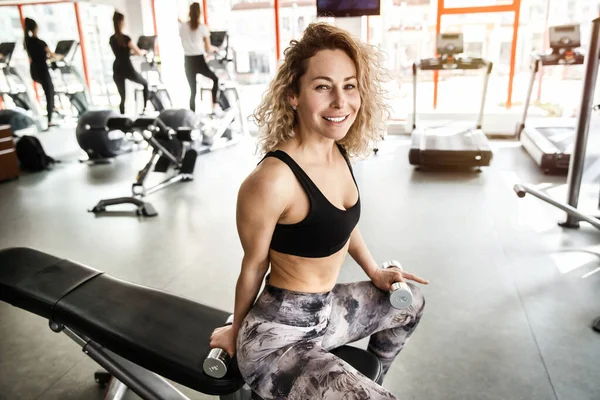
x: 360, y: 309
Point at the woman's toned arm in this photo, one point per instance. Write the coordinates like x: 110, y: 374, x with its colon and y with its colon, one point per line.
x: 381, y: 278
x: 262, y: 199
x: 360, y: 253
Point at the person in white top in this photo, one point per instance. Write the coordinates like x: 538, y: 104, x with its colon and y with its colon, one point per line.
x: 195, y: 39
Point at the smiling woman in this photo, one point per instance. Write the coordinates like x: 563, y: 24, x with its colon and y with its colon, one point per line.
x: 331, y: 47
x: 298, y: 214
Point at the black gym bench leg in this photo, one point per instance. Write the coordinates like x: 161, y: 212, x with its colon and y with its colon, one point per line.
x: 129, y: 376
x: 143, y: 208
x: 116, y: 390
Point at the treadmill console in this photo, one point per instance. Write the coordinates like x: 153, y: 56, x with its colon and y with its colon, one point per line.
x: 146, y: 43
x: 564, y: 37
x: 66, y: 49
x: 6, y: 49
x: 564, y: 41
x: 218, y: 38
x: 449, y: 44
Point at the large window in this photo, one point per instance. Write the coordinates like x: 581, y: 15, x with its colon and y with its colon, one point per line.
x: 406, y: 32
x: 57, y: 22
x: 96, y: 20
x: 52, y: 29
x: 251, y: 29
x: 557, y: 89
x: 11, y: 31
x: 255, y: 42
x: 486, y: 35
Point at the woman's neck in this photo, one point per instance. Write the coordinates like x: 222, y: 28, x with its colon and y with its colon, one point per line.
x: 312, y: 148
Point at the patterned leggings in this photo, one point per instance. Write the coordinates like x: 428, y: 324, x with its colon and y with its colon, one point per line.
x: 283, y: 343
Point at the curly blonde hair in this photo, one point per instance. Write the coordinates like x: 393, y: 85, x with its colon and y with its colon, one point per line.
x: 276, y: 119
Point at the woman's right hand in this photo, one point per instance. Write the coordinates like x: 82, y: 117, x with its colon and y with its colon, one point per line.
x: 224, y: 338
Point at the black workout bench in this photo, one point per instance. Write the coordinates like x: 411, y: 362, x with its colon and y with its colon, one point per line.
x: 138, y: 334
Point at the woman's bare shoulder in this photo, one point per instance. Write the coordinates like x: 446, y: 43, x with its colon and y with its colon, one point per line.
x: 271, y: 180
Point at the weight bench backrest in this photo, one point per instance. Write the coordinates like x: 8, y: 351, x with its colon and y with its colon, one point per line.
x: 162, y: 332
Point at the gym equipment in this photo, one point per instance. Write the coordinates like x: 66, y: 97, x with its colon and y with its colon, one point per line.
x: 230, y: 128
x: 576, y: 162
x: 98, y: 141
x: 171, y: 148
x: 400, y: 295
x: 550, y: 144
x: 26, y: 113
x: 217, y: 361
x: 12, y: 84
x: 70, y: 83
x: 137, y: 333
x: 20, y: 121
x: 150, y: 69
x: 579, y: 146
x: 448, y: 145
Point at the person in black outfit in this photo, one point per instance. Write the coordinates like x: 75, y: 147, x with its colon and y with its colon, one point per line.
x: 38, y: 52
x: 122, y: 46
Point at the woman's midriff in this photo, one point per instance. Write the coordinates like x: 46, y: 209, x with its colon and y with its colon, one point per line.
x: 303, y: 274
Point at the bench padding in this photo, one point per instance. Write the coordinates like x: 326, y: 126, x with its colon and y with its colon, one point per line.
x: 162, y: 332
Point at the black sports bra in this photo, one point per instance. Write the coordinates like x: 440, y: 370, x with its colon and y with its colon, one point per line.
x: 326, y: 228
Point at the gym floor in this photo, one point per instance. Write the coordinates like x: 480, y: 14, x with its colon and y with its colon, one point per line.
x: 509, y: 307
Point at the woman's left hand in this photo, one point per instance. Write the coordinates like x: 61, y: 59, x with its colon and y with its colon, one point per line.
x: 385, y: 278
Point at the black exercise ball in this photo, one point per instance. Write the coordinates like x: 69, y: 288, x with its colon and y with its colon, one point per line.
x: 95, y: 139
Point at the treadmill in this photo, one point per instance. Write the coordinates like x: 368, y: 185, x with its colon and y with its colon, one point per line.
x: 450, y: 144
x: 71, y: 84
x: 12, y: 84
x: 550, y: 143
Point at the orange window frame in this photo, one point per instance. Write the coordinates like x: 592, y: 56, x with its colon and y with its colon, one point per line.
x: 79, y: 30
x: 515, y: 8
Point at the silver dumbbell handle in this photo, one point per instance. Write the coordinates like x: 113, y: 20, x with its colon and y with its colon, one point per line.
x: 216, y: 363
x: 400, y: 295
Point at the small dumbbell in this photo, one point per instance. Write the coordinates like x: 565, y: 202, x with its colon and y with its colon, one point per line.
x: 400, y: 295
x: 216, y: 363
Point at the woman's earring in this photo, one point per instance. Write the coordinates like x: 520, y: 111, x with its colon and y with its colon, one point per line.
x: 294, y: 108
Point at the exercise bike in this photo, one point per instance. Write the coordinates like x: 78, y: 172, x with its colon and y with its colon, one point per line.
x: 218, y: 131
x: 171, y: 148
x: 21, y: 110
x: 150, y: 70
x: 68, y: 82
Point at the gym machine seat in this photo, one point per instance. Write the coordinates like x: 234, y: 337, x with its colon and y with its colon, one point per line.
x: 137, y: 333
x: 171, y: 148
